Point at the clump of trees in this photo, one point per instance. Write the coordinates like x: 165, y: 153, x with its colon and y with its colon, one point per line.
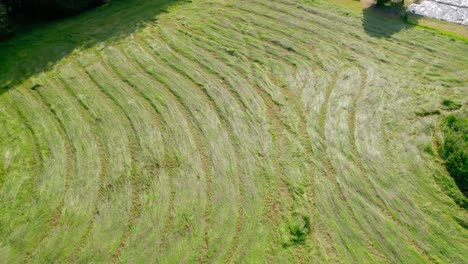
x: 4, y: 21
x: 454, y: 149
x: 20, y: 11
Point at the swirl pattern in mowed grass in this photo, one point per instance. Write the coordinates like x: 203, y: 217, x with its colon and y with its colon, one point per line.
x: 229, y: 131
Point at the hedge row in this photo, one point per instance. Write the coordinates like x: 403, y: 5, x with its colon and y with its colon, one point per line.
x: 454, y: 149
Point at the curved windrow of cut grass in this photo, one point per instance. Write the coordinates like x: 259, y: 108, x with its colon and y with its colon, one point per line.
x: 217, y: 131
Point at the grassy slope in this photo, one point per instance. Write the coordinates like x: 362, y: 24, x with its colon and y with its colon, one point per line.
x: 237, y: 131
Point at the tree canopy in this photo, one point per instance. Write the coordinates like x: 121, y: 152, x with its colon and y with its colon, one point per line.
x: 30, y: 10
x: 48, y: 8
x: 4, y: 25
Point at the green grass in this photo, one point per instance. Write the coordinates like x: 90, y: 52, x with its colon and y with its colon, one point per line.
x: 454, y: 150
x: 229, y: 131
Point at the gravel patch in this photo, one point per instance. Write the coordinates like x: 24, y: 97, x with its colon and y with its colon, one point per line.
x: 455, y: 11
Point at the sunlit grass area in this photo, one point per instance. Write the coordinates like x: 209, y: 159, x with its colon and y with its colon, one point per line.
x: 246, y: 131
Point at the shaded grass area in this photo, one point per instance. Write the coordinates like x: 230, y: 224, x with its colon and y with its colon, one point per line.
x: 46, y: 44
x: 383, y: 22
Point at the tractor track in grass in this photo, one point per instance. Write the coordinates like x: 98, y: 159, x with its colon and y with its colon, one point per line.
x: 211, y: 42
x: 35, y: 139
x: 329, y: 248
x: 328, y: 170
x: 197, y: 134
x: 82, y: 109
x: 234, y: 140
x: 278, y: 128
x: 331, y: 173
x: 316, y: 31
x: 216, y: 27
x: 224, y: 119
x: 241, y: 20
x: 330, y: 18
x: 134, y: 146
x: 135, y: 93
x: 416, y: 246
x: 69, y: 171
x: 220, y: 78
x: 273, y: 110
x: 167, y: 162
x: 354, y: 150
x: 168, y: 221
x: 309, y: 28
x: 273, y: 46
x: 155, y: 112
x: 195, y: 35
x: 294, y: 98
x: 103, y: 169
x: 37, y: 149
x: 358, y: 162
x: 274, y: 211
x: 273, y: 113
x: 2, y: 178
x: 302, y: 134
x: 103, y: 190
x: 397, y: 222
x: 276, y: 31
x: 33, y: 182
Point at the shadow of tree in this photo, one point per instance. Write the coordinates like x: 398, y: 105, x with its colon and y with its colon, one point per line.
x: 383, y: 22
x: 37, y: 50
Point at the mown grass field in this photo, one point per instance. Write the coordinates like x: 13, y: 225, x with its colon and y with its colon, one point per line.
x: 247, y: 131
